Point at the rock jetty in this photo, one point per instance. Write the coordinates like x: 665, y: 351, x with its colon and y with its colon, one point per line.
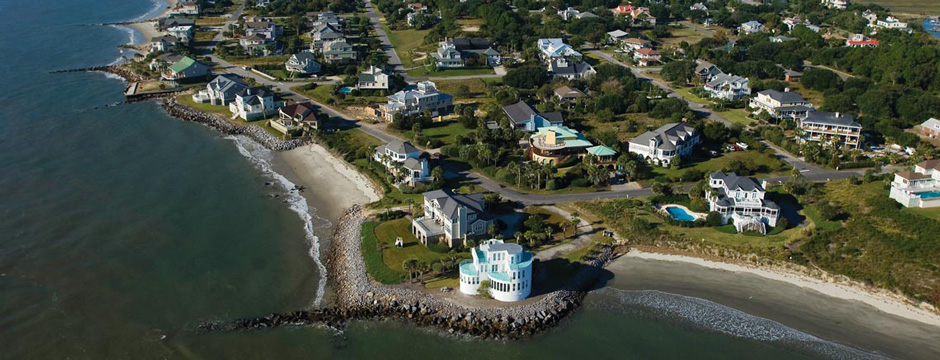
x: 359, y: 298
x: 121, y: 71
x: 224, y: 126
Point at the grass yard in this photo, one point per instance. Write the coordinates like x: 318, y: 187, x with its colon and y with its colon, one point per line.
x: 767, y: 161
x: 686, y: 92
x: 813, y: 96
x: 908, y: 9
x: 373, y: 256
x: 931, y: 213
x: 622, y: 125
x: 394, y: 257
x: 423, y: 71
x: 321, y: 93
x: 553, y: 220
x: 405, y: 43
x: 267, y: 60
x: 682, y: 34
x: 210, y: 21
x: 203, y: 37
x: 221, y: 110
x: 445, y: 131
x: 477, y: 87
x: 470, y: 25
x: 737, y: 116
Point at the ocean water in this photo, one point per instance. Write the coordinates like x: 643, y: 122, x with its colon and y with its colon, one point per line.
x: 122, y: 229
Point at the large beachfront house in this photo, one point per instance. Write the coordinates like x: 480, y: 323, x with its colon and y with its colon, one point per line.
x: 163, y: 43
x: 252, y: 103
x: 373, y: 78
x: 402, y: 158
x: 186, y: 70
x: 661, y: 146
x: 728, y: 87
x: 555, y: 48
x: 415, y: 100
x: 454, y: 53
x: 831, y: 128
x: 555, y: 144
x: 304, y: 63
x: 918, y: 188
x: 781, y: 105
x: 741, y: 200
x: 523, y: 116
x: 221, y: 90
x: 339, y: 52
x: 507, y: 268
x: 451, y: 218
x: 297, y: 116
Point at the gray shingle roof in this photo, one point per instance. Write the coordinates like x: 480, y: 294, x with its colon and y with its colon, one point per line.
x: 829, y: 118
x: 735, y: 182
x: 451, y: 202
x: 401, y: 147
x: 519, y: 112
x: 667, y: 135
x: 783, y: 96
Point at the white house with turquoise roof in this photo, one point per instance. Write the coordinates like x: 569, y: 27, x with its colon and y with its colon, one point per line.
x: 507, y: 268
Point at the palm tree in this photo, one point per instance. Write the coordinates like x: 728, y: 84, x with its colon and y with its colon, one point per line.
x: 575, y: 220
x: 564, y: 225
x: 409, y: 265
x: 517, y: 236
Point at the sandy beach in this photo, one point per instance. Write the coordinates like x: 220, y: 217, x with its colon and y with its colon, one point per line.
x: 840, y: 313
x: 332, y: 184
x: 148, y: 27
x: 882, y: 300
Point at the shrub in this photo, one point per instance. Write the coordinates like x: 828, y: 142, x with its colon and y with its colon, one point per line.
x: 713, y: 219
x: 580, y: 182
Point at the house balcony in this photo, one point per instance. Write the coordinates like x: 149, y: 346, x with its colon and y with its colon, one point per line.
x: 831, y: 130
x: 540, y: 144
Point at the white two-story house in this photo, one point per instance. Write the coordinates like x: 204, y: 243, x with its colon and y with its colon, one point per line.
x: 451, y: 218
x: 728, y: 87
x: 402, y: 158
x: 836, y: 129
x: 507, y: 268
x: 417, y: 99
x: 918, y: 188
x: 661, y: 146
x: 221, y: 90
x: 373, y: 78
x: 741, y: 200
x: 781, y: 105
x: 254, y: 103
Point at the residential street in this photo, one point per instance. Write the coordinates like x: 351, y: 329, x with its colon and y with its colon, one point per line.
x: 377, y: 130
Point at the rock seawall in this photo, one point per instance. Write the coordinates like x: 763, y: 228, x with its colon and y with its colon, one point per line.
x: 358, y: 298
x: 256, y: 133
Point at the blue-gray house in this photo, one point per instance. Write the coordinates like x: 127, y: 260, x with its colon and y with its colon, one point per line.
x: 523, y: 116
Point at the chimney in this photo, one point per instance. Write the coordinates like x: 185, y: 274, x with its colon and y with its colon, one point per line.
x: 786, y: 90
x: 838, y: 114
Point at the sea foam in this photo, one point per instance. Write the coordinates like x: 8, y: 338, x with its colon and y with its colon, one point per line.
x: 711, y: 316
x: 261, y: 158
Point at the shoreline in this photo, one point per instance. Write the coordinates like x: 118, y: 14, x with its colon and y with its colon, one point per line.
x: 147, y: 27
x: 880, y: 299
x: 313, y: 165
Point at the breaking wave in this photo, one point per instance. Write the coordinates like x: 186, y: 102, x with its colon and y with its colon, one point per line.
x: 261, y: 158
x: 711, y: 316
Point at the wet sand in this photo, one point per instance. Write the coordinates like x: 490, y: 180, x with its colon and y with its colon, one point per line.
x: 848, y: 322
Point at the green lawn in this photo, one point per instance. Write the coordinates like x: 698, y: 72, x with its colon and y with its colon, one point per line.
x: 405, y: 42
x: 209, y: 108
x: 423, y: 71
x: 932, y: 213
x: 908, y: 9
x: 682, y: 34
x: 372, y: 254
x: 267, y: 60
x: 737, y: 116
x: 686, y: 92
x: 446, y: 131
x: 477, y: 87
x: 394, y: 257
x: 210, y: 21
x: 771, y: 162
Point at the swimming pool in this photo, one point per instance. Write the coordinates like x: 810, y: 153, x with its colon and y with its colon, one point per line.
x: 679, y: 213
x: 929, y: 194
x: 345, y: 90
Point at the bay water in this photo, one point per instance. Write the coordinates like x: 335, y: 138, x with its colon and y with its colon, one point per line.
x: 122, y: 229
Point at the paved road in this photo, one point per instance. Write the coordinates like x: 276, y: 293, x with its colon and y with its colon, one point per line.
x: 393, y: 60
x: 640, y: 74
x: 378, y: 131
x: 231, y: 19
